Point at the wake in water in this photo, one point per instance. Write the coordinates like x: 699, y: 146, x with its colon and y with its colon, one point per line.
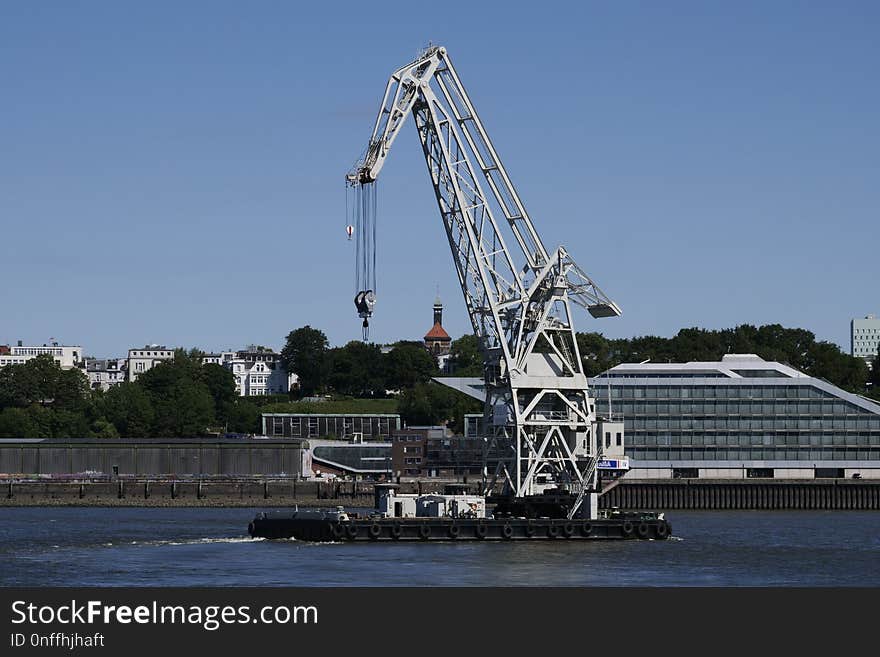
x: 198, y: 541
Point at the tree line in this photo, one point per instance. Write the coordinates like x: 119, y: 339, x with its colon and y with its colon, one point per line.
x: 403, y: 370
x: 792, y: 346
x: 179, y: 397
x: 184, y: 397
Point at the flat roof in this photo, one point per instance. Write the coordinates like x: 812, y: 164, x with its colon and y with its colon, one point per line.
x: 104, y: 442
x: 331, y: 414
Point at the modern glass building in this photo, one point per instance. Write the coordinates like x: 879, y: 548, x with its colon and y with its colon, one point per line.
x: 740, y: 417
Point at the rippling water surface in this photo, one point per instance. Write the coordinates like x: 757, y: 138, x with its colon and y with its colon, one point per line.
x: 210, y: 547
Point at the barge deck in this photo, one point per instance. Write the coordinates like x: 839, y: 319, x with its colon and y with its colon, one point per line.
x: 324, y: 527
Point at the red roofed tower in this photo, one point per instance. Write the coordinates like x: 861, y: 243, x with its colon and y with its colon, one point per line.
x: 437, y: 340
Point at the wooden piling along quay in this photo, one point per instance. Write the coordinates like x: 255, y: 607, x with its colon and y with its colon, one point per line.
x: 818, y: 495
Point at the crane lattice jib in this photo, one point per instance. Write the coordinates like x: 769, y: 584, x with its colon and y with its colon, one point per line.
x: 539, y: 413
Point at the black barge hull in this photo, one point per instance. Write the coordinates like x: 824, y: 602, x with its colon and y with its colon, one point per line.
x: 459, y: 529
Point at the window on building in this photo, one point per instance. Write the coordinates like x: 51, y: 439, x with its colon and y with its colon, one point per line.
x: 759, y: 473
x: 829, y: 473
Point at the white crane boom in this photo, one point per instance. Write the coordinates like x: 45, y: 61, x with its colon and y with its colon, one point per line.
x: 539, y: 413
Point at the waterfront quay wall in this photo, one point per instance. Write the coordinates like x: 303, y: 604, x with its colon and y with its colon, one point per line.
x: 153, y: 457
x: 162, y: 492
x: 811, y: 494
x: 272, y: 492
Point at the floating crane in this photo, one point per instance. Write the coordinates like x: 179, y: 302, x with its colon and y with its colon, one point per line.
x: 539, y: 420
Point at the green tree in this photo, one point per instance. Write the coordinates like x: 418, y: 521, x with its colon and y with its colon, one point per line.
x: 407, y: 364
x: 181, y: 400
x: 875, y: 377
x: 129, y: 408
x: 357, y: 369
x: 465, y: 356
x: 65, y: 423
x: 220, y: 383
x: 595, y: 353
x: 18, y: 423
x: 432, y: 404
x: 102, y: 428
x: 185, y: 409
x: 306, y: 355
x: 243, y: 417
x: 773, y: 342
x: 41, y: 380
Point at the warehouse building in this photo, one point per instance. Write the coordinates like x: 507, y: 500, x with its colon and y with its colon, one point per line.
x: 153, y: 457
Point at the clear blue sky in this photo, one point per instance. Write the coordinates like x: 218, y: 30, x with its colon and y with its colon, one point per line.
x: 172, y: 172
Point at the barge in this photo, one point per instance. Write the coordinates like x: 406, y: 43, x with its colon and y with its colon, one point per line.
x: 456, y: 517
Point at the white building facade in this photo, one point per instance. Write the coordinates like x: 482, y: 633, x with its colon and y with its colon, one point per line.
x: 146, y: 358
x: 68, y: 357
x: 257, y: 371
x: 104, y: 373
x: 865, y: 338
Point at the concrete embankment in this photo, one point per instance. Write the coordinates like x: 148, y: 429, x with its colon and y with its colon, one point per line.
x: 828, y: 494
x: 168, y: 493
x: 633, y: 495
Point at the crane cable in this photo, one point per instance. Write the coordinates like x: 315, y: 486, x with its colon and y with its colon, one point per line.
x: 361, y: 215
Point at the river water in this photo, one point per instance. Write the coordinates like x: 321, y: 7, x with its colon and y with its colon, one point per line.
x: 210, y: 547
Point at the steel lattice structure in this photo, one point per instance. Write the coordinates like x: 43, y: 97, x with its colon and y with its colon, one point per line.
x: 539, y: 412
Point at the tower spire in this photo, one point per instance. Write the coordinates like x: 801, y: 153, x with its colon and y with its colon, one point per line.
x: 438, y: 308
